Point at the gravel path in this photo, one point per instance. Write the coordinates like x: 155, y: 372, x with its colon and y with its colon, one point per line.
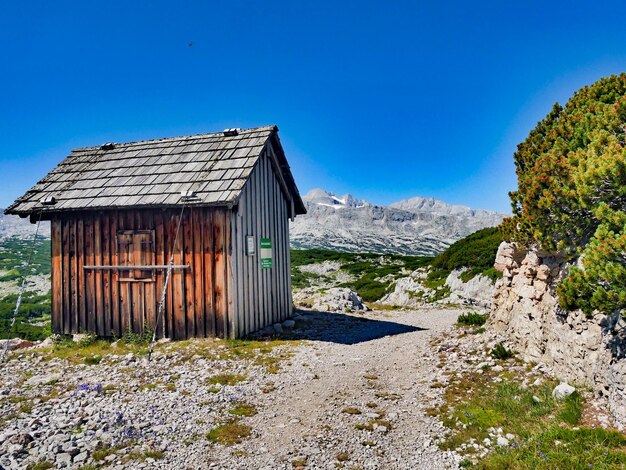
x: 352, y: 395
x: 380, y: 365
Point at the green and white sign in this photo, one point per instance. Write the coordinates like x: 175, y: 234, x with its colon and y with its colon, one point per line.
x: 266, y: 253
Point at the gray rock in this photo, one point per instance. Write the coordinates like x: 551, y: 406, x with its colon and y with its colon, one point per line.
x: 15, y: 449
x: 81, y: 457
x: 563, y: 390
x: 79, y: 337
x: 502, y: 441
x: 64, y: 459
x: 42, y: 379
x: 289, y: 324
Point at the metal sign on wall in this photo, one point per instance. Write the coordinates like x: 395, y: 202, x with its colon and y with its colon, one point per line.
x: 266, y: 253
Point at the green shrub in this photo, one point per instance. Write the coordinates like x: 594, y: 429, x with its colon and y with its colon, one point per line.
x: 472, y: 319
x: 476, y: 253
x: 369, y: 289
x: 501, y: 352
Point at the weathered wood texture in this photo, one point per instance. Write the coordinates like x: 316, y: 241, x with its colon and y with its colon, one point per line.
x: 107, y: 302
x: 260, y: 297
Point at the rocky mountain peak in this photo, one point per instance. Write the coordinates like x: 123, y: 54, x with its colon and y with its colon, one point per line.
x: 416, y: 226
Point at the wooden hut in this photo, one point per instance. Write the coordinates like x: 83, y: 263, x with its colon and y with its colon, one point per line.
x: 114, y: 212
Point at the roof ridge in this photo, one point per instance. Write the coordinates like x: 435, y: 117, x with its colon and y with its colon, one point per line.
x: 191, y: 136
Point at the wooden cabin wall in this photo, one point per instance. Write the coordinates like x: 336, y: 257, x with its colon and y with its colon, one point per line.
x: 260, y: 297
x: 100, y: 302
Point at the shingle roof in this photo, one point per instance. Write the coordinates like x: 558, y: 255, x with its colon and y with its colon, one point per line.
x: 154, y: 172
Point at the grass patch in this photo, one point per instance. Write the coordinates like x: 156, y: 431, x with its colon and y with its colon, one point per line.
x: 243, y: 409
x: 229, y: 434
x: 351, y: 411
x: 572, y: 409
x: 546, y: 430
x: 93, y: 360
x: 560, y: 448
x: 226, y: 379
x: 143, y: 456
x: 89, y: 351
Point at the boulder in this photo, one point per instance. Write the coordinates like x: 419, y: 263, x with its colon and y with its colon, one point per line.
x: 502, y: 441
x: 563, y: 390
x: 42, y: 379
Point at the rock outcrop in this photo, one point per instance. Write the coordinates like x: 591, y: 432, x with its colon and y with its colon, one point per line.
x: 580, y: 349
x: 477, y: 292
x: 335, y: 299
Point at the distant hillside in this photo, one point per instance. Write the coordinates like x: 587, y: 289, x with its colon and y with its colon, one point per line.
x: 417, y: 226
x: 463, y: 273
x: 14, y: 226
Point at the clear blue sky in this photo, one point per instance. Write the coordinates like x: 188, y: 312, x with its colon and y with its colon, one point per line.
x: 385, y: 100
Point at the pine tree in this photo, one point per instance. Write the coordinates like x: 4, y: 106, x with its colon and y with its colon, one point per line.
x: 571, y: 194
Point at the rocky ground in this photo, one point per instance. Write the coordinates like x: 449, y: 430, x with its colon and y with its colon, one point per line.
x: 352, y: 391
x: 345, y: 390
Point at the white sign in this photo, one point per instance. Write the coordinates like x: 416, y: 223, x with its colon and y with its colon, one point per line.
x: 250, y: 245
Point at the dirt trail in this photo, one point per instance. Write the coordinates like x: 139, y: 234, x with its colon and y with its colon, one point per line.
x: 381, y: 365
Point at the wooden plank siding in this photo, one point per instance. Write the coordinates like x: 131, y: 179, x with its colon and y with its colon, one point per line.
x: 262, y: 296
x: 224, y: 292
x: 101, y: 302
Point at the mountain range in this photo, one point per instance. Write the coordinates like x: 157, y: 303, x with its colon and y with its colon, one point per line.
x: 416, y: 226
